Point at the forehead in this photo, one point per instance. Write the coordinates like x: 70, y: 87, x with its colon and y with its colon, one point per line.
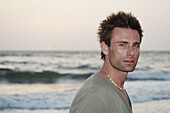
x: 125, y: 34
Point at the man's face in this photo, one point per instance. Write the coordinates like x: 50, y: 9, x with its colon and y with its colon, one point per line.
x: 124, y: 50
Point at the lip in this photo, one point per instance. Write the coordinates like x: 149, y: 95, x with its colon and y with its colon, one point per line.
x: 129, y: 61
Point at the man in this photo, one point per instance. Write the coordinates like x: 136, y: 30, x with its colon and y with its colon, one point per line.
x: 120, y: 36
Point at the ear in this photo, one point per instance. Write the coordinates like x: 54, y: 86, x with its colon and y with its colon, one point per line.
x: 104, y: 48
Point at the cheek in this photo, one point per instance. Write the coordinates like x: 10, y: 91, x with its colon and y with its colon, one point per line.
x: 117, y: 54
x: 120, y: 52
x: 138, y: 51
x: 137, y: 54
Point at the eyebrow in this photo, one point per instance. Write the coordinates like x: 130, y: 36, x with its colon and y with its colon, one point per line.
x: 137, y: 43
x: 125, y: 42
x: 122, y: 42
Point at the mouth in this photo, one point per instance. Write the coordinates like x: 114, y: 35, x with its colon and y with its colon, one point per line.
x: 129, y: 61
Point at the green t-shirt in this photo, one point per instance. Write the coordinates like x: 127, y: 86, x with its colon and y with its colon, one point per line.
x: 98, y: 95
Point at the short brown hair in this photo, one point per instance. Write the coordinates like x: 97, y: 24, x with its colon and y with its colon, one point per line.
x: 122, y: 20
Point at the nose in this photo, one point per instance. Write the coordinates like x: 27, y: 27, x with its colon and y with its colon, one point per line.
x: 130, y: 51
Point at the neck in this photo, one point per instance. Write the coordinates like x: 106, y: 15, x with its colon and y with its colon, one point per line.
x: 117, y: 76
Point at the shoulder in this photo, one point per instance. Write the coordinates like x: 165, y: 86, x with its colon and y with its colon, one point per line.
x: 87, y: 102
x: 95, y: 84
x: 88, y: 98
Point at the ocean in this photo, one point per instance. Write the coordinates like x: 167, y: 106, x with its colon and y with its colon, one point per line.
x: 46, y: 80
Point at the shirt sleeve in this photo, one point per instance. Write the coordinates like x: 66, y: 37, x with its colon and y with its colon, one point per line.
x: 87, y: 103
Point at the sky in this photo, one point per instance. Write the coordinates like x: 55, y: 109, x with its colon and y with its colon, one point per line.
x: 73, y: 24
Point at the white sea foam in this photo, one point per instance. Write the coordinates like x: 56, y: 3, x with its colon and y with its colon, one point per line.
x: 53, y: 100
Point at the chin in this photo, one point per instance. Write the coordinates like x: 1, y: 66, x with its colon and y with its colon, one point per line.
x: 129, y: 70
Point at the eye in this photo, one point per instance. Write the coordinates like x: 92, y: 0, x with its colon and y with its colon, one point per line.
x: 136, y: 45
x: 122, y: 45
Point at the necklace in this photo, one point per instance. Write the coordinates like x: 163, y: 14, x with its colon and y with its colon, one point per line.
x: 112, y: 80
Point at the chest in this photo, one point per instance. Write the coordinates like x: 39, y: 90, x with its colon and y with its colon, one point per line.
x: 116, y: 103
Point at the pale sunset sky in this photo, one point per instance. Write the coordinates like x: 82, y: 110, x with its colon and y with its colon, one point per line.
x: 73, y: 24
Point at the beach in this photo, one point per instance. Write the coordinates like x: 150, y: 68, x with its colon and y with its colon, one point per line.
x: 157, y: 106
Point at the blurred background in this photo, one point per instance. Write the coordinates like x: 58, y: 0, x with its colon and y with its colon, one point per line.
x: 49, y: 47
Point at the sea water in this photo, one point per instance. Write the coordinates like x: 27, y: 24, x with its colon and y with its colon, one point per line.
x: 21, y: 71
